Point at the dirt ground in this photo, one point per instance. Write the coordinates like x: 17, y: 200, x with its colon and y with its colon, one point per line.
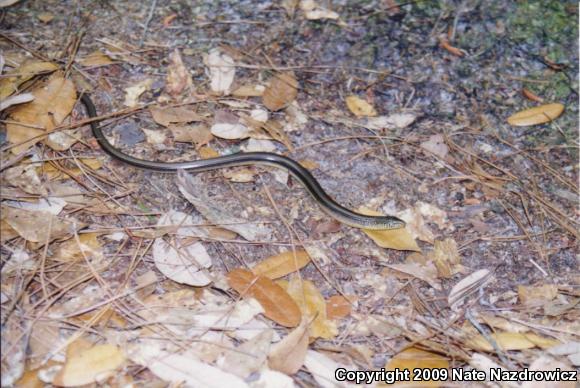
x: 502, y: 198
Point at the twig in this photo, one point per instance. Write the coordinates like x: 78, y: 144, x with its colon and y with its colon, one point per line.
x: 146, y: 24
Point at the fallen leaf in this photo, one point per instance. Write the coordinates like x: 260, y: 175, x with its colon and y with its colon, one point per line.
x: 132, y: 93
x: 399, y: 239
x: 396, y: 120
x: 538, y: 115
x: 181, y: 261
x: 45, y: 17
x: 249, y: 91
x: 509, y: 341
x: 281, y: 91
x: 174, y: 115
x: 11, y: 80
x: 537, y: 295
x: 15, y: 100
x: 360, y: 107
x: 154, y: 136
x: 53, y: 173
x: 86, y: 246
x: 189, y: 371
x: 467, y: 286
x: 199, y: 135
x: 313, y: 11
x: 178, y: 77
x: 52, y: 103
x: 216, y: 210
x: 531, y: 96
x: 228, y: 126
x: 436, y: 145
x: 90, y: 365
x: 280, y: 265
x: 222, y: 71
x: 208, y: 153
x: 337, y: 307
x: 413, y: 358
x: 26, y: 178
x: 427, y: 273
x: 249, y: 357
x: 255, y: 145
x: 34, y: 226
x: 287, y: 356
x: 313, y: 307
x: 446, y: 257
x: 278, y: 305
x: 549, y: 364
x: 444, y: 44
x: 96, y: 59
x: 323, y: 369
x: 240, y: 175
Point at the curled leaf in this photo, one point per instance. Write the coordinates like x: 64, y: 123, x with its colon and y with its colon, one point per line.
x: 278, y: 305
x: 275, y: 267
x: 538, y: 115
x: 282, y: 90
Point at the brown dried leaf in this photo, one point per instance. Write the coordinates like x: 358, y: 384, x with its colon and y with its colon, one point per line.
x: 337, y: 306
x: 52, y: 103
x: 539, y: 115
x: 178, y: 77
x: 537, y: 295
x: 169, y: 115
x: 34, y: 225
x: 240, y: 175
x: 444, y: 44
x: 413, y: 358
x: 71, y: 250
x: 510, y: 341
x: 28, y: 69
x: 446, y: 257
x: 287, y: 356
x: 89, y: 365
x: 275, y: 267
x: 531, y: 96
x: 200, y: 135
x: 360, y: 107
x: 45, y: 17
x: 313, y: 307
x: 282, y: 90
x: 96, y: 59
x: 249, y: 91
x: 208, y: 153
x: 278, y: 305
x: 26, y: 178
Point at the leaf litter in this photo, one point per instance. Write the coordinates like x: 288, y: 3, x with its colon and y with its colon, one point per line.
x: 134, y: 276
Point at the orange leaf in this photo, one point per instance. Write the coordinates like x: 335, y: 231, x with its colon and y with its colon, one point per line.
x: 52, y: 103
x: 413, y: 358
x: 275, y: 267
x: 538, y: 115
x: 444, y: 44
x: 277, y: 304
x: 337, y: 306
x: 531, y: 96
x: 282, y: 90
